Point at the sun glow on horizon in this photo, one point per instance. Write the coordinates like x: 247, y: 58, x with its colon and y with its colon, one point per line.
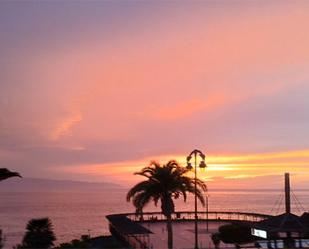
x: 238, y: 166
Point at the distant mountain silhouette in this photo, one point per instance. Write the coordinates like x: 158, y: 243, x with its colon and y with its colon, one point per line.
x: 41, y: 185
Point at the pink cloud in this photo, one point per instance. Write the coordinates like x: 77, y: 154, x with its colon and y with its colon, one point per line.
x: 185, y: 109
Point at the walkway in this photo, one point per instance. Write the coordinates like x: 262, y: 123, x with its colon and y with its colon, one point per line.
x: 183, y: 232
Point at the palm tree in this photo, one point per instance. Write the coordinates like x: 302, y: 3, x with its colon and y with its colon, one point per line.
x: 39, y: 234
x: 5, y: 173
x: 164, y: 183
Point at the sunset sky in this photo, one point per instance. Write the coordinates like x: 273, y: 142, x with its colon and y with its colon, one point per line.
x: 94, y: 90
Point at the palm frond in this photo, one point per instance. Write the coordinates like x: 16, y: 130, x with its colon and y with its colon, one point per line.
x: 143, y: 186
x: 141, y: 200
x: 5, y: 174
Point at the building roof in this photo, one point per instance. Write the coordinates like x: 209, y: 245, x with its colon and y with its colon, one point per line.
x: 125, y: 226
x: 286, y: 222
x: 305, y: 218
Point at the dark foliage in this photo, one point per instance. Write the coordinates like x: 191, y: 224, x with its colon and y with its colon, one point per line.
x: 215, y: 237
x: 235, y: 234
x: 84, y: 242
x: 5, y: 174
x: 39, y: 234
x: 1, y: 239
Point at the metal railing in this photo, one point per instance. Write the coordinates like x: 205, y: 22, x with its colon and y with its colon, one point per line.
x: 189, y: 215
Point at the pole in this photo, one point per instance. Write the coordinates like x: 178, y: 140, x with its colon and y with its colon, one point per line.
x: 287, y: 206
x: 195, y: 203
x: 287, y: 193
x: 207, y: 212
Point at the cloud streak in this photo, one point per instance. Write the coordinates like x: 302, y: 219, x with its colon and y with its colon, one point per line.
x: 190, y: 107
x: 65, y: 127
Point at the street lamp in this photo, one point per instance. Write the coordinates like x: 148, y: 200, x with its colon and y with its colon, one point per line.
x: 202, y: 165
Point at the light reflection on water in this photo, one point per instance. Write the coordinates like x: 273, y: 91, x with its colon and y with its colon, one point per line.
x: 74, y: 214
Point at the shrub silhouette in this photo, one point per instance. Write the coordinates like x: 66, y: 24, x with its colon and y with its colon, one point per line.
x: 235, y: 234
x: 39, y: 234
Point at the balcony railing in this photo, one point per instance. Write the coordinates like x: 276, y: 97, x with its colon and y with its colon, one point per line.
x: 189, y: 215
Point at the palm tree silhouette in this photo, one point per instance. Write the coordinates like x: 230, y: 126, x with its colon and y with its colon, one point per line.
x: 164, y: 183
x: 5, y: 174
x: 39, y: 234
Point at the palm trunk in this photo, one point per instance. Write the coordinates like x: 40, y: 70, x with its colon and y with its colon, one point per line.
x: 169, y: 231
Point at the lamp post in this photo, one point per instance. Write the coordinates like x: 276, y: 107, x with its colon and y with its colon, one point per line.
x: 202, y: 165
x: 207, y: 210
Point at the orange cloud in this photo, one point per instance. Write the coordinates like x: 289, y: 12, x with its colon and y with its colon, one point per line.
x: 190, y: 107
x: 64, y: 127
x: 297, y: 155
x: 225, y: 166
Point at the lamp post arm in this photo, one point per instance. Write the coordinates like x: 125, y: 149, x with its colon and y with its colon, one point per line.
x: 196, y: 152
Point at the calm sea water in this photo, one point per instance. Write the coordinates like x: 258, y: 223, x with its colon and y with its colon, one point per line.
x: 75, y: 214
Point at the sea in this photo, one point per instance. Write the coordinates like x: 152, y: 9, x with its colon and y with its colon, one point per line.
x: 83, y: 213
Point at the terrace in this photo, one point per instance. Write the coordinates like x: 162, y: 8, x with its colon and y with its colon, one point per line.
x: 149, y: 229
